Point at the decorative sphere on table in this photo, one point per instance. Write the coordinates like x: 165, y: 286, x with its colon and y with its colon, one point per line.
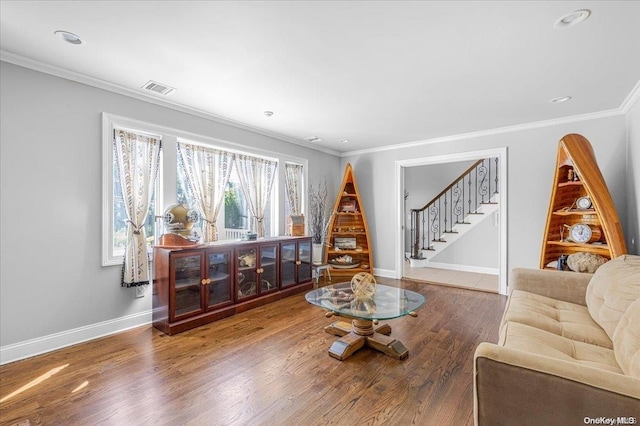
x: 363, y: 285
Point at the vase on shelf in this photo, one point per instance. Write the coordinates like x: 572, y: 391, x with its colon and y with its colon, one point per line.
x: 318, y: 255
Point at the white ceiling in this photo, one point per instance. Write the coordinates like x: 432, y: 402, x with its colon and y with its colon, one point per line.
x: 376, y: 73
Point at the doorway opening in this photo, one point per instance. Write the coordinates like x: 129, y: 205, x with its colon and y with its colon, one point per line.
x: 499, y: 216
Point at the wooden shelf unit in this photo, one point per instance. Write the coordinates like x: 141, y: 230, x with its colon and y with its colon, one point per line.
x: 349, y: 222
x: 575, y: 155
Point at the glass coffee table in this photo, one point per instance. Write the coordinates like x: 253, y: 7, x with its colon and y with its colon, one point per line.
x: 379, y: 302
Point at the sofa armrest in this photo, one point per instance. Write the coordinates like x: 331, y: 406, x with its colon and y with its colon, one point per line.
x: 562, y: 285
x: 516, y: 387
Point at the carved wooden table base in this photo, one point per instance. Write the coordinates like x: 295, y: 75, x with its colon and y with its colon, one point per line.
x: 362, y: 333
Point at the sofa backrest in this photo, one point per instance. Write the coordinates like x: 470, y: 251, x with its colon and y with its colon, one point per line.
x: 612, y: 289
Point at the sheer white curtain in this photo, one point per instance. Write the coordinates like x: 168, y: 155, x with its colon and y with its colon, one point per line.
x: 293, y: 186
x: 137, y: 161
x: 207, y: 172
x: 256, y: 179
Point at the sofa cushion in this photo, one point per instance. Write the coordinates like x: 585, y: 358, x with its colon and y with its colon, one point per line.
x: 613, y: 287
x: 626, y: 341
x: 535, y: 341
x: 554, y: 316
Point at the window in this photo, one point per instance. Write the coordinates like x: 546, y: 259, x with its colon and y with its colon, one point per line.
x: 294, y: 184
x: 114, y: 238
x: 234, y: 218
x: 120, y: 217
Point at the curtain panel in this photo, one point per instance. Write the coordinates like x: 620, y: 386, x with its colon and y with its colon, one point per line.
x: 207, y: 172
x: 256, y: 180
x: 293, y: 187
x: 137, y: 159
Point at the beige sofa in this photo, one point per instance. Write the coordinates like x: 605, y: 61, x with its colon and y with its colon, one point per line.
x: 568, y: 351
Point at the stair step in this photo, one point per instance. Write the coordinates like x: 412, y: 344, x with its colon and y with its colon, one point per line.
x: 489, y: 202
x: 475, y: 213
x: 450, y: 232
x: 463, y: 223
x: 439, y: 240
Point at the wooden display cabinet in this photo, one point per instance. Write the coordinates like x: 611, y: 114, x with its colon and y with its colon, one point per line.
x: 296, y: 262
x: 577, y: 176
x: 257, y: 270
x: 197, y: 284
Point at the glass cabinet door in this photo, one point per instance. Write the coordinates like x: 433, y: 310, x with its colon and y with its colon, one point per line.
x: 247, y: 272
x: 304, y: 258
x: 268, y: 268
x: 288, y: 264
x: 188, y: 284
x: 219, y: 282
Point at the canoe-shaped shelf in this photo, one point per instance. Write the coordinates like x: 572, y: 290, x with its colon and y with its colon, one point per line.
x: 348, y: 236
x: 580, y: 196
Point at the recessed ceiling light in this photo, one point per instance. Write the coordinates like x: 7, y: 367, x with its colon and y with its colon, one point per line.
x: 69, y: 37
x: 572, y: 18
x: 560, y: 99
x: 313, y: 139
x: 343, y: 140
x: 268, y: 113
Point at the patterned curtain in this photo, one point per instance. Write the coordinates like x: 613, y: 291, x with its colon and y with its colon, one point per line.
x: 137, y: 161
x: 256, y: 179
x: 293, y: 186
x: 207, y: 171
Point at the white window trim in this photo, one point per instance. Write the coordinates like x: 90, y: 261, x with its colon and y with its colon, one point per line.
x: 109, y: 123
x: 166, y: 194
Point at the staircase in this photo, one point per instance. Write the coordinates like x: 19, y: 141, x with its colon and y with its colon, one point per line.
x: 467, y: 201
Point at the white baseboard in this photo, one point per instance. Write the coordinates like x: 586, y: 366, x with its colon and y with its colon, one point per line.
x: 465, y: 268
x: 387, y: 273
x: 40, y: 345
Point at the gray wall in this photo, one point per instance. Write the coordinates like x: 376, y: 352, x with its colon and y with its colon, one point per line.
x: 633, y: 181
x: 51, y: 280
x: 531, y: 160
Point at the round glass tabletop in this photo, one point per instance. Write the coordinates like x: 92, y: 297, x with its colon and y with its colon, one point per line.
x: 379, y: 302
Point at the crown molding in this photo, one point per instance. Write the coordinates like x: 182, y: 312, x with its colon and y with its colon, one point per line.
x: 22, y: 61
x: 631, y: 99
x: 489, y: 132
x: 25, y: 62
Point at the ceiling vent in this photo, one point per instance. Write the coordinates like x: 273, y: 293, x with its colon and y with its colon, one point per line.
x: 159, y: 88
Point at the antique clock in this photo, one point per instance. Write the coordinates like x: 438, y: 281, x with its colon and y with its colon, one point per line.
x: 583, y: 233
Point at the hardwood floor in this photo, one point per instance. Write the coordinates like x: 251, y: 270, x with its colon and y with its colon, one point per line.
x: 266, y: 366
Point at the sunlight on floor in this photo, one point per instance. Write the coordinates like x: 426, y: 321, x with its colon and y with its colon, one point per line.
x: 472, y: 280
x: 35, y: 382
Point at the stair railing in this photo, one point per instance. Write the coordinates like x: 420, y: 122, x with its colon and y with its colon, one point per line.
x: 463, y: 197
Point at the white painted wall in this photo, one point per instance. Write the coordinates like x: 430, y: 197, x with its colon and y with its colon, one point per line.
x: 51, y: 281
x: 479, y: 247
x: 423, y: 183
x: 531, y: 162
x: 632, y: 230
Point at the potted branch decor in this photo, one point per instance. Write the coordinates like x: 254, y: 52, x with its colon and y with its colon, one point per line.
x: 318, y: 219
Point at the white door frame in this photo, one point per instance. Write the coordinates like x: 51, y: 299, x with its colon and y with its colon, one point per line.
x: 501, y: 153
